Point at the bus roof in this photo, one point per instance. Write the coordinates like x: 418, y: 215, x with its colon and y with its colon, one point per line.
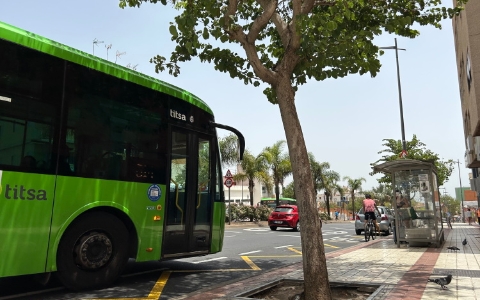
x: 39, y: 43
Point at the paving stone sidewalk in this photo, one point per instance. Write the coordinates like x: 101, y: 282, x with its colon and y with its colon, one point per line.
x: 401, y: 273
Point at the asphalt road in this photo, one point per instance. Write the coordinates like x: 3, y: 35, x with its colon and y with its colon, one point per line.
x: 247, y: 251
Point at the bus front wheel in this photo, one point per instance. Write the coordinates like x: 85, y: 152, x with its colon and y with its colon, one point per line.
x: 92, y: 252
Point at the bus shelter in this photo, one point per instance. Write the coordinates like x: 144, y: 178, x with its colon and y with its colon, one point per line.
x: 416, y: 201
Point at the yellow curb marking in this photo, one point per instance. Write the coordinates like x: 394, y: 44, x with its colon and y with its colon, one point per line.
x: 250, y: 263
x: 157, y: 289
x: 159, y: 285
x: 155, y: 293
x: 295, y: 250
x: 221, y: 270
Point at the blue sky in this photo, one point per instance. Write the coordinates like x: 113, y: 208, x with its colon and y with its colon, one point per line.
x: 343, y: 120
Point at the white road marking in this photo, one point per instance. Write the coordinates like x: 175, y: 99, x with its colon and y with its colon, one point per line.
x: 207, y: 260
x: 283, y: 246
x: 290, y: 235
x: 245, y: 253
x: 327, y: 232
x: 256, y: 229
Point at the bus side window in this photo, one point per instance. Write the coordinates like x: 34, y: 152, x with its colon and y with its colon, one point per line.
x: 118, y: 127
x: 30, y: 87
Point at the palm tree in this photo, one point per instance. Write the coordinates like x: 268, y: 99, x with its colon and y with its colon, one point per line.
x: 353, y: 185
x: 341, y: 190
x: 279, y: 164
x: 383, y: 192
x: 328, y: 183
x: 253, y: 168
x: 323, y: 179
x: 229, y: 149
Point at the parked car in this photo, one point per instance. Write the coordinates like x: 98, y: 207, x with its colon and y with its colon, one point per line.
x: 385, y: 220
x: 284, y: 216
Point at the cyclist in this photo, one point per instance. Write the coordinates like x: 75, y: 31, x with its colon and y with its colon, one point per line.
x: 369, y: 207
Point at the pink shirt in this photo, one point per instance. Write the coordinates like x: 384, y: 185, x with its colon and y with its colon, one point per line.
x: 369, y: 205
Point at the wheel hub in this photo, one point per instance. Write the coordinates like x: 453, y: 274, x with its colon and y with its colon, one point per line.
x: 93, y: 251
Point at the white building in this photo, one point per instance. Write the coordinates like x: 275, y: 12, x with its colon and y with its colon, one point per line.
x: 239, y: 193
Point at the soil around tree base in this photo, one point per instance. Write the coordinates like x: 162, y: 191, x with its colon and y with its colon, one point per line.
x: 293, y: 290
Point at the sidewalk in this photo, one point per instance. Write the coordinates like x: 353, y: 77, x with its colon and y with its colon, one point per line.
x: 401, y: 272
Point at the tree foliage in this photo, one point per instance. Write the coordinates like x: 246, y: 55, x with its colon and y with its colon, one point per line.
x: 452, y: 205
x: 415, y: 150
x: 289, y: 191
x: 328, y: 39
x: 286, y: 43
x: 253, y: 168
x: 354, y: 184
x: 279, y: 163
x: 229, y: 149
x: 383, y: 193
x: 325, y: 179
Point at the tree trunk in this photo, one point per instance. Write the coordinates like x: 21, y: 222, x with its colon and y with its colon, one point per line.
x: 353, y: 205
x: 250, y: 191
x: 327, y: 203
x: 317, y: 286
x: 277, y: 194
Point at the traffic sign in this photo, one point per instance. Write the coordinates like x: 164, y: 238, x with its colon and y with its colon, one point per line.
x: 229, y: 182
x: 229, y: 174
x: 403, y: 154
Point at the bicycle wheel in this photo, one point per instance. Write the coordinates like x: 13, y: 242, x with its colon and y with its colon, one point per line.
x: 372, y: 231
x: 367, y: 233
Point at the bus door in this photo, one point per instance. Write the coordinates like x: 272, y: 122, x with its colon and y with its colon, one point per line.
x: 189, y: 202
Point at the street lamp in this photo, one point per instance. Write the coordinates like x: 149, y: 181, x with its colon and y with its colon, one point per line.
x: 404, y: 144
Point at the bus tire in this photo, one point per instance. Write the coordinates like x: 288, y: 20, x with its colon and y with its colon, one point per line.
x: 92, y: 252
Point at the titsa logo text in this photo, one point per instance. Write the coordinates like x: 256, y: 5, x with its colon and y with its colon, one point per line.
x: 22, y: 193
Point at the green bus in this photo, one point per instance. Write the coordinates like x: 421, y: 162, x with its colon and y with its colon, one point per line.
x: 99, y: 164
x: 271, y: 202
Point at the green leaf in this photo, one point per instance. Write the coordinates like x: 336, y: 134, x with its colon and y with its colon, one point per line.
x: 173, y: 31
x: 332, y: 25
x: 348, y: 14
x: 188, y: 45
x: 205, y: 33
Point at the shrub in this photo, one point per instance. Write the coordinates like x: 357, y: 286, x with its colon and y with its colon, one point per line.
x: 324, y: 216
x: 241, y: 213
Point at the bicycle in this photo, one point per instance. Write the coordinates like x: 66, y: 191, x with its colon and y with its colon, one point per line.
x: 369, y: 230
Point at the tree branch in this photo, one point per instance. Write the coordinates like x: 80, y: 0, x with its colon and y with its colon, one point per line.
x: 262, y: 21
x: 248, y: 43
x: 279, y: 23
x: 307, y: 6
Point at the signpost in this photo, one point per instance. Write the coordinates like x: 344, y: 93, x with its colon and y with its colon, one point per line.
x: 228, y: 183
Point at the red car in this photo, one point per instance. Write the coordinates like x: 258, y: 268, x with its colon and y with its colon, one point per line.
x: 284, y: 216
